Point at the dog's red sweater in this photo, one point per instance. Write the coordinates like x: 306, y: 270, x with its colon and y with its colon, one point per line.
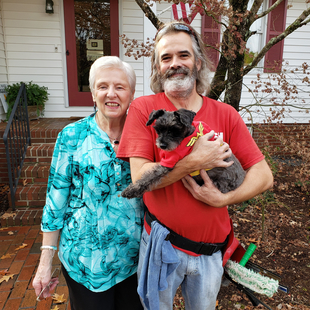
x: 170, y: 158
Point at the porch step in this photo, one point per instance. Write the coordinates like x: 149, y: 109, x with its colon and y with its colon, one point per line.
x: 40, y: 153
x: 34, y: 173
x: 30, y: 195
x: 31, y: 190
x: 32, y: 184
x: 21, y: 216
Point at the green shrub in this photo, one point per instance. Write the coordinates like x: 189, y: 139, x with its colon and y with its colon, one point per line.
x: 36, y: 96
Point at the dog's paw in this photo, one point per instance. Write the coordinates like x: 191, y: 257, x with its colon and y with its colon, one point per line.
x: 131, y: 192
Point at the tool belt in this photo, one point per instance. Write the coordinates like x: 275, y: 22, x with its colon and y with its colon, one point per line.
x: 187, y: 244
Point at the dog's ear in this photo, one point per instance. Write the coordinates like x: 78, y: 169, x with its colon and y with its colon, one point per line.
x: 186, y: 117
x: 155, y: 114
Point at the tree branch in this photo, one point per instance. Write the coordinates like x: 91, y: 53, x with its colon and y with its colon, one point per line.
x: 269, y: 9
x: 299, y: 22
x: 255, y: 6
x: 149, y: 13
x: 254, y: 9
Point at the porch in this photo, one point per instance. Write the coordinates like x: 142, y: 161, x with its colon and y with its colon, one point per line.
x: 31, y: 190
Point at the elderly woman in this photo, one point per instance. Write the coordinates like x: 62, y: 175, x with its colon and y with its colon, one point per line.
x: 100, y: 230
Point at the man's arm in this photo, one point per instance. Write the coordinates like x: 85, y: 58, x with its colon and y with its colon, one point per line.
x: 205, y: 155
x: 258, y: 179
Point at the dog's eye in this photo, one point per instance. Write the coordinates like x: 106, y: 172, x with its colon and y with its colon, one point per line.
x: 173, y: 132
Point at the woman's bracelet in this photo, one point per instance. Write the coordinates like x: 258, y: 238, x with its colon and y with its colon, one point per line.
x: 48, y: 247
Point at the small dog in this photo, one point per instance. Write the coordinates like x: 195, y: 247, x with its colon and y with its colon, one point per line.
x: 177, y: 133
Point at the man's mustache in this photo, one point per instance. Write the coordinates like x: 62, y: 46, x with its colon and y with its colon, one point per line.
x: 172, y: 71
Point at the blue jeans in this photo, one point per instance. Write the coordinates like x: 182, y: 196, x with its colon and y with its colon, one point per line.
x: 199, y: 276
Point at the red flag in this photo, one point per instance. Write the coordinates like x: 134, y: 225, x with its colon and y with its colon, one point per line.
x: 185, y: 12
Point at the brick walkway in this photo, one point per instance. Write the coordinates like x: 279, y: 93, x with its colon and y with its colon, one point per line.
x: 18, y: 293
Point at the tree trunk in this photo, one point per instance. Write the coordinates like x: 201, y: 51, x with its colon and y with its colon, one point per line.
x: 234, y: 82
x: 149, y: 14
x: 218, y: 84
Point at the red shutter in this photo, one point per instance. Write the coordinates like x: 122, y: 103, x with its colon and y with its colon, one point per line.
x: 276, y: 25
x: 210, y: 33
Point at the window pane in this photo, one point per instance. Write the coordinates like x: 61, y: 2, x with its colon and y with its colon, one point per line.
x: 92, y: 32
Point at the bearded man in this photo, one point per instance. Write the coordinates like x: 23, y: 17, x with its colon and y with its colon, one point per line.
x: 196, y: 215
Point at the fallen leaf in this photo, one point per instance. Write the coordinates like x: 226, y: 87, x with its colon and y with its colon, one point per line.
x: 55, y: 308
x: 7, y: 215
x: 244, y: 220
x: 25, y: 182
x: 3, y: 272
x: 59, y: 298
x: 7, y: 278
x: 5, y: 189
x: 7, y: 255
x: 10, y: 233
x: 21, y: 247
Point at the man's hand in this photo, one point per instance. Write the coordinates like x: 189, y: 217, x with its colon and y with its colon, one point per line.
x: 206, y: 193
x: 209, y: 154
x: 257, y: 180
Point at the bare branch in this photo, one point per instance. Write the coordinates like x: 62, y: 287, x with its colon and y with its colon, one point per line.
x: 254, y: 9
x: 270, y: 9
x: 149, y: 13
x: 299, y: 22
x: 305, y: 22
x: 256, y: 5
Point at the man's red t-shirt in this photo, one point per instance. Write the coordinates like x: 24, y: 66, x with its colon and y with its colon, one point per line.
x: 174, y: 205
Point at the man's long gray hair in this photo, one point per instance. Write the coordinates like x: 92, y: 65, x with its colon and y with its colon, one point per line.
x: 202, y: 81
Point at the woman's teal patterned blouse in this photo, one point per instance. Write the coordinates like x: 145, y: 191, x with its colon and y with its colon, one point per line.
x: 100, y: 230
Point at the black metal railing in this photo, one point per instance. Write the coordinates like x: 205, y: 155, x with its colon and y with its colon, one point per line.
x: 16, y: 139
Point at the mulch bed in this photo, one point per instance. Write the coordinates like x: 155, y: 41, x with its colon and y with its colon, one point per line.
x: 283, y: 246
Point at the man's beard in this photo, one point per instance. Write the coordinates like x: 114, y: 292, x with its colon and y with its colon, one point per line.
x: 180, y: 86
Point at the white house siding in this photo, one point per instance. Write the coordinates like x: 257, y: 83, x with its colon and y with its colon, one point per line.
x: 296, y: 52
x: 3, y: 68
x: 131, y: 24
x: 35, y: 47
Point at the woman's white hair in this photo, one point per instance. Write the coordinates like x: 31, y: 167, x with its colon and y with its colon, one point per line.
x: 114, y: 62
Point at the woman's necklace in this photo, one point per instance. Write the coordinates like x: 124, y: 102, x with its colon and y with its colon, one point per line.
x: 115, y: 141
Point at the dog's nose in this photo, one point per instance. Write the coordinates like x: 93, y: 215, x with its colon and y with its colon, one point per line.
x: 163, y: 146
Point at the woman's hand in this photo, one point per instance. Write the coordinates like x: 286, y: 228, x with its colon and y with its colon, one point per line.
x: 43, y: 281
x: 43, y: 278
